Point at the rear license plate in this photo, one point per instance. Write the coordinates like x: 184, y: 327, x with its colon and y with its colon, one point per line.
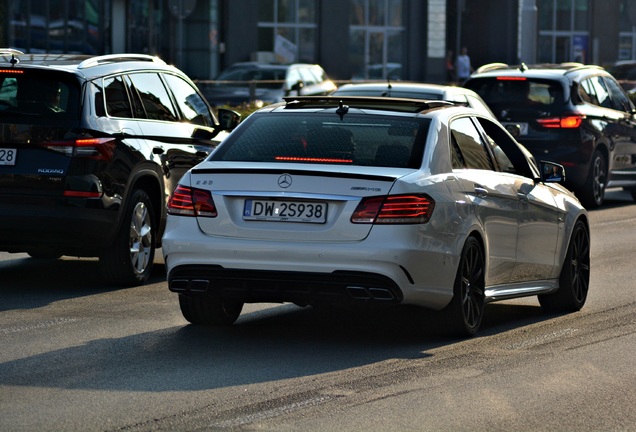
x: 285, y: 211
x: 516, y: 129
x: 8, y: 156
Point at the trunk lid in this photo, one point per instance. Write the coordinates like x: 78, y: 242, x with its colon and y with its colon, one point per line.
x: 290, y: 203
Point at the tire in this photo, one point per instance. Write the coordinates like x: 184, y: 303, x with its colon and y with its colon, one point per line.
x: 574, y: 280
x: 128, y: 260
x: 593, y: 192
x: 466, y: 310
x: 205, y: 310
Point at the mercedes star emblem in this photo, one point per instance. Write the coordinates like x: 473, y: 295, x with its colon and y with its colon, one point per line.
x: 285, y: 181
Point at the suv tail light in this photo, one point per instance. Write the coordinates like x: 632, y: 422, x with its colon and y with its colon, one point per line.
x: 571, y: 121
x: 394, y: 209
x: 187, y: 201
x: 92, y: 148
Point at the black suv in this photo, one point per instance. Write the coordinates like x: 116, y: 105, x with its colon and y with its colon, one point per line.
x: 574, y: 114
x: 90, y: 150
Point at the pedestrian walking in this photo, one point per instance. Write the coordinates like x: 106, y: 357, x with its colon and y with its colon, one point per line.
x: 463, y: 66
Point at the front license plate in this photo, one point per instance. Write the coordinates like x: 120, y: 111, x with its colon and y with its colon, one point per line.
x: 285, y: 211
x: 8, y: 156
x: 516, y: 129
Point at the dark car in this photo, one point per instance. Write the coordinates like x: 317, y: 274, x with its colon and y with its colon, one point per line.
x: 266, y: 83
x: 91, y: 147
x: 574, y: 114
x: 625, y: 73
x: 425, y: 91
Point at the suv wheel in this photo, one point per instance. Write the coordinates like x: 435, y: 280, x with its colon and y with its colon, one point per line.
x: 203, y: 309
x: 594, y: 189
x: 129, y: 259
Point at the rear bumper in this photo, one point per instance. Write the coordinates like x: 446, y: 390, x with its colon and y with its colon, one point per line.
x: 392, y: 265
x: 262, y: 286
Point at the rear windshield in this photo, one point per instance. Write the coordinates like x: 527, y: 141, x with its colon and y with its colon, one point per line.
x: 367, y: 140
x: 519, y: 92
x: 37, y: 96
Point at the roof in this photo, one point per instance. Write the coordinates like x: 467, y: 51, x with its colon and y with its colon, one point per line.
x: 85, y: 64
x: 535, y: 70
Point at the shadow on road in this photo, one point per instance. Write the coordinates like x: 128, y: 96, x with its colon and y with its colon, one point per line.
x: 28, y: 282
x: 284, y: 342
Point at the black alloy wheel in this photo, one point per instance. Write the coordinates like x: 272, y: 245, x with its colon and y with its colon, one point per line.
x: 574, y: 280
x: 466, y: 310
x: 594, y: 192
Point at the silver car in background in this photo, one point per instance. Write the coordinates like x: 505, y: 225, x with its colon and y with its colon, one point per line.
x: 353, y: 201
x: 414, y: 90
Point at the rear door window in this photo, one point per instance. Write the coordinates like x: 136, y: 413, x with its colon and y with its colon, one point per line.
x: 619, y: 100
x: 154, y: 96
x: 601, y: 91
x: 467, y: 139
x: 190, y: 103
x: 117, y: 99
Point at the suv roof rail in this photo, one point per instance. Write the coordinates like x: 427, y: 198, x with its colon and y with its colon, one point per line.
x: 491, y: 66
x: 394, y: 104
x: 573, y: 66
x: 6, y: 51
x: 13, y: 53
x: 113, y: 58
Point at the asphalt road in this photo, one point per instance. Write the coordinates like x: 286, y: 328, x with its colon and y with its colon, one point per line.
x: 79, y: 355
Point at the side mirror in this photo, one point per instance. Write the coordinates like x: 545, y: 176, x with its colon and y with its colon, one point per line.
x: 228, y: 119
x: 552, y: 172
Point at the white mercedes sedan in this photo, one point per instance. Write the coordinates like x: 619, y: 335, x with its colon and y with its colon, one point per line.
x: 360, y: 201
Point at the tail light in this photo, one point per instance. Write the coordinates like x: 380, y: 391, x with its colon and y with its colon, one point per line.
x: 572, y: 121
x: 394, y: 209
x: 187, y: 201
x: 92, y: 148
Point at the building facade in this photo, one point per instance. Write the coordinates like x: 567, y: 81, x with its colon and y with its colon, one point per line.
x: 351, y: 39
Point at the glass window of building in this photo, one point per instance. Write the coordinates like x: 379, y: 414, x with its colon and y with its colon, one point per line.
x: 55, y: 26
x: 563, y: 31
x: 287, y: 28
x: 627, y: 36
x: 376, y: 37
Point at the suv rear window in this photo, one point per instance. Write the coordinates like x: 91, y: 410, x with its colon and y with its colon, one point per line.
x: 518, y: 92
x: 356, y: 140
x: 38, y: 96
